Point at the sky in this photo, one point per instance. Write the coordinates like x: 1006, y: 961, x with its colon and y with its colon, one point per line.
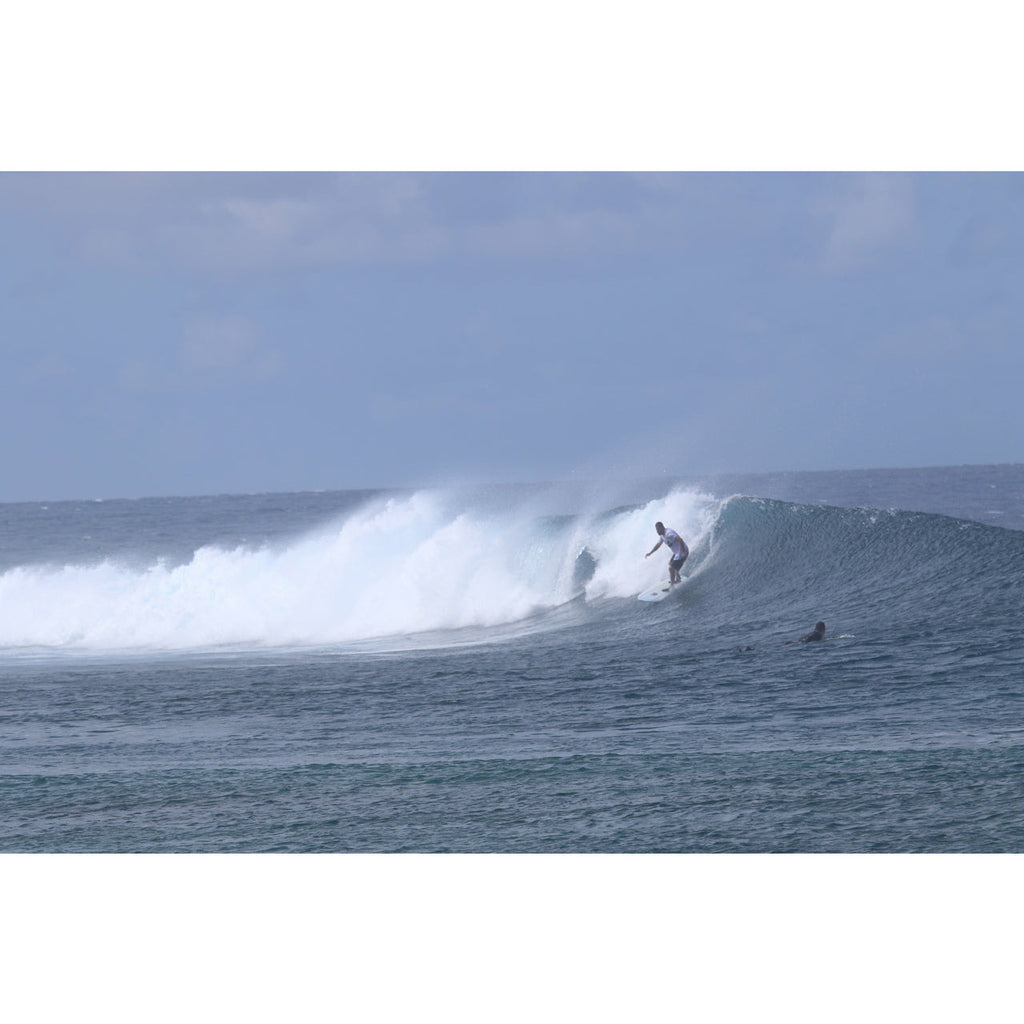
x: 685, y: 260
x: 194, y: 333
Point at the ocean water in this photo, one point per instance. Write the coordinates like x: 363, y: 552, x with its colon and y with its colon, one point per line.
x: 468, y: 669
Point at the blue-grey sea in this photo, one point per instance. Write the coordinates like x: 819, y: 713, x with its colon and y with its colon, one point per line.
x: 467, y: 669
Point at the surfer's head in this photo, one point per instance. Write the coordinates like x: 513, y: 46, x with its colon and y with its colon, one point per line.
x: 660, y: 527
x: 820, y: 628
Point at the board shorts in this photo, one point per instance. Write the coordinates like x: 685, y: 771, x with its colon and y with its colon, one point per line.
x: 676, y: 563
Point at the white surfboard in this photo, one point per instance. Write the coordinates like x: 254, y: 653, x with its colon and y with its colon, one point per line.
x: 658, y: 593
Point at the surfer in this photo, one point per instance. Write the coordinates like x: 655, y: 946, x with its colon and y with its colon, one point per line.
x: 818, y: 633
x: 676, y: 545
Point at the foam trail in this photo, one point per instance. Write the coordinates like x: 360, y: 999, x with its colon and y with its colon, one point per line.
x: 401, y: 566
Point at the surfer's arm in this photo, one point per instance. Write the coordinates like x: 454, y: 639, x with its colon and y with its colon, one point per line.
x: 655, y: 548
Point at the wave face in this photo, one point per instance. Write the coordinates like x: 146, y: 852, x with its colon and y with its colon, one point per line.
x: 431, y: 563
x: 891, y: 570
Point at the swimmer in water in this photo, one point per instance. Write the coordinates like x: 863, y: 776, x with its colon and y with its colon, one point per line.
x: 818, y: 633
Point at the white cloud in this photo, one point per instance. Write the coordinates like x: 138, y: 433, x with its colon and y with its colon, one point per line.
x: 109, y: 246
x: 555, y: 234
x: 213, y: 350
x: 308, y: 221
x: 227, y: 346
x: 942, y: 340
x: 238, y: 223
x: 874, y: 213
x: 49, y: 367
x: 276, y: 220
x: 983, y: 239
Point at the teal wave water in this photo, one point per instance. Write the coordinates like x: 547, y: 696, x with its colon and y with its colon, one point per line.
x: 470, y: 671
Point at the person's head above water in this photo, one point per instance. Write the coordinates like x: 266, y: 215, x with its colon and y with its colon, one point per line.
x: 818, y: 634
x: 660, y: 527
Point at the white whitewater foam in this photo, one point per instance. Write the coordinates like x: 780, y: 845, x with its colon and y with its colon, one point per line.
x: 401, y: 566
